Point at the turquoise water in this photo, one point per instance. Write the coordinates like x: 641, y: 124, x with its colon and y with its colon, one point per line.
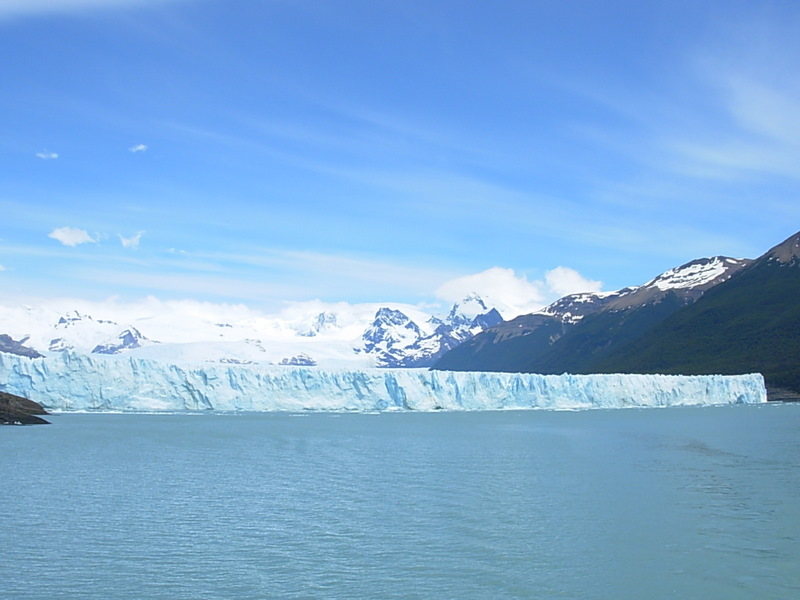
x: 656, y: 503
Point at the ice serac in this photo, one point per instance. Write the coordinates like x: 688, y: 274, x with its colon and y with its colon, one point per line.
x: 71, y: 381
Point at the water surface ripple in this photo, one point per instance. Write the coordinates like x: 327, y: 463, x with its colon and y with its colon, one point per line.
x: 625, y: 504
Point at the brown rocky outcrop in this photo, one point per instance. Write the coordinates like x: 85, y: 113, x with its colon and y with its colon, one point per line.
x: 15, y: 410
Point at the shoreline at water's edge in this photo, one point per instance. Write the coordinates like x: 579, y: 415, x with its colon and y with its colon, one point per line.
x: 778, y: 394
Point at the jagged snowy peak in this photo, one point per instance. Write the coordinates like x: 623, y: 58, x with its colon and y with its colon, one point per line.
x: 472, y: 312
x: 322, y: 322
x: 392, y: 337
x: 397, y: 341
x: 467, y: 310
x: 391, y: 328
x: 127, y: 340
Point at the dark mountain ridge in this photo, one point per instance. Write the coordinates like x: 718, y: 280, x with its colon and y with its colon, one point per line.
x: 751, y: 323
x: 744, y: 318
x: 570, y: 333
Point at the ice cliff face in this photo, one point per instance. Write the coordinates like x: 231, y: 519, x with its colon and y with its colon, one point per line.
x: 71, y: 381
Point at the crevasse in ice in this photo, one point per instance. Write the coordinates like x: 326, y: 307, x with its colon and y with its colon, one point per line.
x: 71, y: 381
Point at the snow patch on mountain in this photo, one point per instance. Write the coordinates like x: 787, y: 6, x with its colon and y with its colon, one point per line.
x: 689, y: 280
x: 695, y: 274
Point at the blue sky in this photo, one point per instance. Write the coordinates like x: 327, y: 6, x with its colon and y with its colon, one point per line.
x: 261, y: 151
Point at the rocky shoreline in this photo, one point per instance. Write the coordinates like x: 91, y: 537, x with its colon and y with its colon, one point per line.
x: 16, y: 410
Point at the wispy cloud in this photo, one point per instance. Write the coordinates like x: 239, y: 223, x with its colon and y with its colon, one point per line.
x: 46, y: 155
x: 71, y: 236
x: 189, y: 285
x: 2, y: 268
x: 138, y: 148
x: 19, y: 8
x: 762, y: 136
x: 133, y: 241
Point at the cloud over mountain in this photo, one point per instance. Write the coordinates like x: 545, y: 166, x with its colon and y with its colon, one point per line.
x: 514, y: 294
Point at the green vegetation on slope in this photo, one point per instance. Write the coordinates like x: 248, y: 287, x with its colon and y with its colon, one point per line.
x: 748, y: 324
x: 601, y: 333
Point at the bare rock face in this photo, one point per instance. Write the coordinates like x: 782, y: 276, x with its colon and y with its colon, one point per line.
x: 787, y: 251
x: 15, y: 410
x: 11, y: 346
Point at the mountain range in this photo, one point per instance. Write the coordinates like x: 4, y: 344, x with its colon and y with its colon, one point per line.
x: 716, y: 315
x: 351, y: 336
x: 568, y: 334
x: 709, y: 316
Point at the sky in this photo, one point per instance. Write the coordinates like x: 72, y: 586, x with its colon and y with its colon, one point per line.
x: 272, y: 151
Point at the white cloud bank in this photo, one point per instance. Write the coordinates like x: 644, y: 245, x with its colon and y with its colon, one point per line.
x: 138, y: 148
x: 564, y: 281
x: 71, y: 236
x: 513, y: 294
x: 47, y: 155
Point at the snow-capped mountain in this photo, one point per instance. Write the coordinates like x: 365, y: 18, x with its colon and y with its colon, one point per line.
x: 749, y: 323
x: 330, y: 335
x: 78, y: 331
x: 698, y: 274
x: 324, y: 321
x: 398, y: 341
x: 688, y: 281
x: 558, y: 338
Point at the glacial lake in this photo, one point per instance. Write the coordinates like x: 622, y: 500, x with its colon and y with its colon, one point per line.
x: 607, y: 504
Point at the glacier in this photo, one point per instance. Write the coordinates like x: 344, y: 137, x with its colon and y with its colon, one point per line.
x: 69, y: 381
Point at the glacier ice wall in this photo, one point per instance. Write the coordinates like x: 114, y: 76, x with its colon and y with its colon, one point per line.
x: 71, y: 381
